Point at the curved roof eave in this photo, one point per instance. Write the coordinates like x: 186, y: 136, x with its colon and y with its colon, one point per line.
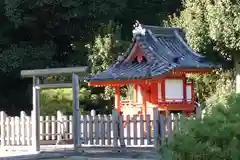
x: 186, y: 45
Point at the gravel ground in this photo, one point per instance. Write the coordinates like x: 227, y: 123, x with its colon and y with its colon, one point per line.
x: 84, y: 154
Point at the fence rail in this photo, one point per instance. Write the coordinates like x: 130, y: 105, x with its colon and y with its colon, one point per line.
x: 95, y: 129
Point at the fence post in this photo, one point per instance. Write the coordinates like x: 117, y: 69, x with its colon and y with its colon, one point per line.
x: 59, y: 126
x: 115, y: 128
x: 121, y: 131
x: 23, y: 128
x: 46, y: 129
x: 12, y: 128
x: 70, y: 127
x: 18, y: 130
x: 53, y: 127
x: 8, y: 130
x: 76, y: 113
x: 41, y: 127
x: 169, y: 123
x: 29, y: 129
x: 3, y: 130
x: 156, y: 126
x: 93, y: 115
x: 162, y: 129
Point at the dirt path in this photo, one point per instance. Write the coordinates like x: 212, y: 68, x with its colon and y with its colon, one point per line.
x: 90, y: 154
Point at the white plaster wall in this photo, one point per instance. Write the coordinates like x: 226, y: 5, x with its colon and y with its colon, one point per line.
x: 174, y: 90
x: 189, y: 93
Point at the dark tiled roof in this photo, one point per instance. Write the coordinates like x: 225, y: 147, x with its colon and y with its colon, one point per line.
x: 124, y: 71
x: 164, y: 49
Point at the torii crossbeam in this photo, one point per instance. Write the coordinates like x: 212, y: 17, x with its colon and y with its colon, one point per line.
x: 35, y: 74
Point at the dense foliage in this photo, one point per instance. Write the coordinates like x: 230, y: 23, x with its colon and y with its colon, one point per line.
x: 46, y: 33
x: 61, y: 99
x: 212, y: 28
x: 214, y: 137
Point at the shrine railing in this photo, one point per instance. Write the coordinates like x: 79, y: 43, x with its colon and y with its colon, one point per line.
x: 176, y: 101
x: 129, y: 103
x: 131, y: 106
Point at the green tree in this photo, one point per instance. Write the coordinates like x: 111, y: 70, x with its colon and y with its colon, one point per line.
x: 42, y: 34
x: 106, y: 47
x: 104, y: 51
x: 212, y: 28
x: 53, y: 100
x: 210, y: 23
x: 47, y: 33
x: 214, y: 137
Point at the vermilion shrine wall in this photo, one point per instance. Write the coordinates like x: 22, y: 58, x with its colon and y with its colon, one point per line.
x: 171, y: 91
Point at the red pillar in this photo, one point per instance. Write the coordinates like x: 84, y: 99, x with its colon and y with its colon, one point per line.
x: 144, y: 109
x: 154, y: 93
x: 188, y: 113
x: 163, y: 91
x: 117, y: 98
x: 136, y: 92
x: 144, y: 100
x: 184, y: 90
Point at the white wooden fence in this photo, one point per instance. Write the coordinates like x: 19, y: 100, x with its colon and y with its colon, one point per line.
x: 95, y: 129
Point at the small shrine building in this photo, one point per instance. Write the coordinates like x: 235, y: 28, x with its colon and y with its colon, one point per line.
x: 157, y: 64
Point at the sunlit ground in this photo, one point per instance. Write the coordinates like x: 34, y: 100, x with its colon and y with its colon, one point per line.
x: 66, y: 153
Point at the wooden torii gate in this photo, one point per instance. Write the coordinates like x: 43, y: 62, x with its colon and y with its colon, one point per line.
x: 35, y: 75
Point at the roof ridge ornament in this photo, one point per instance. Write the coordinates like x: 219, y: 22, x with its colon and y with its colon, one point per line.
x: 138, y: 29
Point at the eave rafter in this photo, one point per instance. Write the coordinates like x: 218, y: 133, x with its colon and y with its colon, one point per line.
x: 174, y: 73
